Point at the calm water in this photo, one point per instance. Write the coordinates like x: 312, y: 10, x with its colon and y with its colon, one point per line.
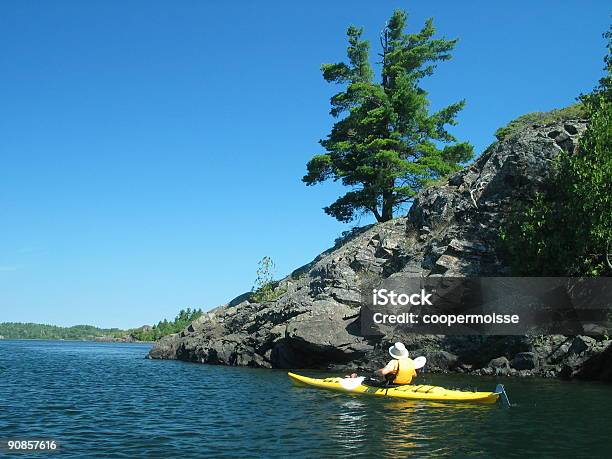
x: 106, y: 400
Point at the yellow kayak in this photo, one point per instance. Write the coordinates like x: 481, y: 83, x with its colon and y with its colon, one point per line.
x: 409, y: 391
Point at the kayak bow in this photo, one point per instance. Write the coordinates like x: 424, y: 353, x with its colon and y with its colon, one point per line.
x: 408, y: 391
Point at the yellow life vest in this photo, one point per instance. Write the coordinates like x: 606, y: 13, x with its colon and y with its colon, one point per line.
x: 404, y: 371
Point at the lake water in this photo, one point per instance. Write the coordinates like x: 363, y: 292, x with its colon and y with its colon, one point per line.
x: 107, y: 400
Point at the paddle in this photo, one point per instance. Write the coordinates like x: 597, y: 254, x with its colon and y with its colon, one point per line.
x: 499, y: 389
x: 351, y: 383
x: 419, y: 362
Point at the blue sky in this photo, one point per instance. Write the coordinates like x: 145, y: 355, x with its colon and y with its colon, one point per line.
x: 151, y: 152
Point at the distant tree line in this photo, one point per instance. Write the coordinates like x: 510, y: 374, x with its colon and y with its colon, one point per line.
x: 17, y: 330
x: 165, y: 327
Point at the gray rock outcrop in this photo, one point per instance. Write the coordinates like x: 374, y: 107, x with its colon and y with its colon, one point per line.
x: 452, y: 229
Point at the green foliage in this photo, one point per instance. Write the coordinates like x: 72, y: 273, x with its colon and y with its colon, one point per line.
x: 265, y: 288
x: 13, y: 330
x: 573, y: 112
x: 567, y: 229
x: 164, y: 327
x: 17, y: 330
x: 388, y: 145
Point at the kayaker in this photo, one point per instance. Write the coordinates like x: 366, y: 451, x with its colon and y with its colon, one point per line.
x: 401, y: 369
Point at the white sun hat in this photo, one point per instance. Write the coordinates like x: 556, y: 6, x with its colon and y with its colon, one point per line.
x: 398, y: 351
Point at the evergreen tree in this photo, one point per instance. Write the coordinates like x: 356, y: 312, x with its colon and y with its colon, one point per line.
x: 387, y: 146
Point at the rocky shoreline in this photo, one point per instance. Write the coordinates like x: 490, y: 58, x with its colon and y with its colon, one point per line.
x: 122, y: 339
x: 452, y: 229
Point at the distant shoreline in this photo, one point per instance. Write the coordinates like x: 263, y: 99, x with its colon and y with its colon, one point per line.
x: 79, y: 340
x: 142, y: 334
x: 31, y: 330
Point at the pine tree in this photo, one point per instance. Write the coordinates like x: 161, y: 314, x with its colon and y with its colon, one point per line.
x: 387, y: 146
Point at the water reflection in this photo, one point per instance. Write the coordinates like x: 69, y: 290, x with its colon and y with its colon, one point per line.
x: 405, y: 429
x: 380, y: 426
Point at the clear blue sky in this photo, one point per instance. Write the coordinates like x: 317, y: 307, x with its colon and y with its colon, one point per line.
x: 151, y: 151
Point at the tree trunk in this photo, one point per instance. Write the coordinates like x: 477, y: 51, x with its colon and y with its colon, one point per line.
x: 374, y: 210
x: 387, y: 206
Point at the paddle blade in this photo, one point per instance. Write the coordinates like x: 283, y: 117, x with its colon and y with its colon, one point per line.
x: 502, y: 392
x: 419, y: 362
x: 351, y: 383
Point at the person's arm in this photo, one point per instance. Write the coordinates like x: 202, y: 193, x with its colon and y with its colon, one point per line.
x: 390, y: 368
